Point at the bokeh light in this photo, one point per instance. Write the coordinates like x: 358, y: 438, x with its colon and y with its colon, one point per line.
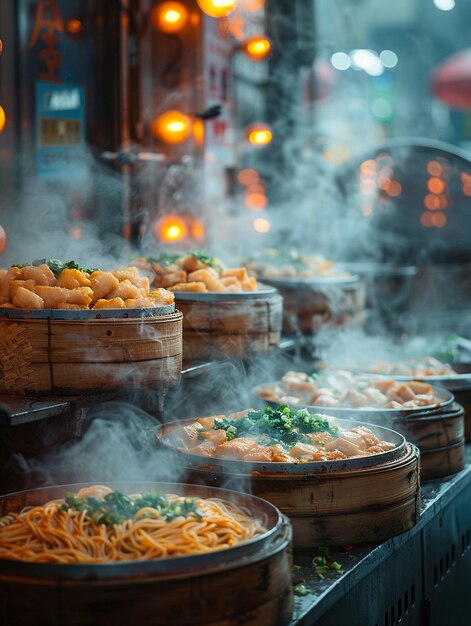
x: 257, y: 47
x: 3, y: 119
x: 261, y: 225
x: 171, y: 228
x: 74, y: 26
x: 171, y: 127
x: 217, y: 8
x: 3, y: 240
x: 248, y: 176
x: 169, y: 17
x: 259, y: 134
x: 436, y: 185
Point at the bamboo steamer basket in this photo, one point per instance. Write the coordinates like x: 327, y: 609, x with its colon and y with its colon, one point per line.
x: 438, y: 427
x: 459, y: 384
x: 81, y: 352
x: 247, y: 584
x: 230, y: 325
x: 353, y: 501
x: 313, y: 304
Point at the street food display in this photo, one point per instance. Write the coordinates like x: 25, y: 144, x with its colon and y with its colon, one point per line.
x: 51, y: 284
x: 197, y: 272
x: 278, y: 435
x: 291, y: 264
x: 414, y: 368
x: 99, y: 525
x: 343, y: 389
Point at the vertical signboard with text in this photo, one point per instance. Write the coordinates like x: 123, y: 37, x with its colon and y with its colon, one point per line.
x: 60, y: 131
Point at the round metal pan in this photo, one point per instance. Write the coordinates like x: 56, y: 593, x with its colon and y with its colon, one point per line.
x: 83, y: 314
x: 217, y: 296
x: 269, y: 515
x: 379, y: 269
x: 312, y: 283
x: 452, y: 382
x: 444, y: 399
x: 230, y: 466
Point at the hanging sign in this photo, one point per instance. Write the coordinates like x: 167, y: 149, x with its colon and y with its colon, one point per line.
x: 60, y: 131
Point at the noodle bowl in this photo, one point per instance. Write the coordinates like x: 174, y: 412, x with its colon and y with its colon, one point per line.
x: 81, y: 528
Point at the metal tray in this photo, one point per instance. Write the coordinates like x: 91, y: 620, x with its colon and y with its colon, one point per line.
x: 217, y: 296
x: 229, y: 466
x: 82, y: 314
x: 266, y: 512
x: 452, y: 382
x: 310, y: 283
x: 444, y: 396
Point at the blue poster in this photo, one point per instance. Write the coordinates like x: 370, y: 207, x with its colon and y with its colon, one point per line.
x: 60, y: 131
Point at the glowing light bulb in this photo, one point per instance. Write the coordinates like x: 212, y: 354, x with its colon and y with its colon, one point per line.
x: 169, y: 17
x: 259, y: 134
x: 261, y: 225
x: 251, y: 6
x: 217, y: 8
x: 248, y: 176
x: 3, y: 119
x: 171, y: 228
x: 171, y: 127
x: 256, y: 201
x: 257, y: 47
x: 198, y: 131
x: 3, y: 240
x: 74, y: 26
x: 198, y: 230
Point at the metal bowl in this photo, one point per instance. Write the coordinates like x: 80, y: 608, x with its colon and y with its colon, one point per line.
x: 444, y: 399
x: 452, y: 382
x: 314, y: 284
x: 254, y: 469
x: 82, y: 314
x: 269, y: 515
x: 217, y: 296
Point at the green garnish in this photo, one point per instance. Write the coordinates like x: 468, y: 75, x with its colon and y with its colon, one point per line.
x: 205, y: 258
x: 116, y: 507
x: 164, y: 259
x: 300, y: 589
x: 323, y: 564
x: 57, y: 266
x: 280, y: 425
x: 450, y: 350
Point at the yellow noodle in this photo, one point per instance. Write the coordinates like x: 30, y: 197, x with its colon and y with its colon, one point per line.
x: 48, y: 534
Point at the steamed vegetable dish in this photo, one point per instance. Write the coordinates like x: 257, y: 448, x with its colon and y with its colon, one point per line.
x: 197, y: 272
x: 343, y: 389
x: 50, y: 284
x: 275, y: 435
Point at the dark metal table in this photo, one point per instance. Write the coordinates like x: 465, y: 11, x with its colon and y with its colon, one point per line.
x: 422, y: 577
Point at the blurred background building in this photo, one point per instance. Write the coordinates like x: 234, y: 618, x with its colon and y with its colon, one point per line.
x: 341, y: 126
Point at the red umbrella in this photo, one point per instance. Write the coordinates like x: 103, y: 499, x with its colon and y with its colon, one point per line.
x: 451, y: 81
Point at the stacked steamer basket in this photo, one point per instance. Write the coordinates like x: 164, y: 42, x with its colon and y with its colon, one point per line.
x: 349, y: 501
x: 315, y: 293
x: 437, y: 429
x: 79, y: 350
x: 249, y: 582
x: 74, y: 356
x: 226, y: 314
x: 459, y: 384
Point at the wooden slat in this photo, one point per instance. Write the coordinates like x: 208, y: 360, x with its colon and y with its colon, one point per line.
x: 230, y: 329
x: 57, y: 357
